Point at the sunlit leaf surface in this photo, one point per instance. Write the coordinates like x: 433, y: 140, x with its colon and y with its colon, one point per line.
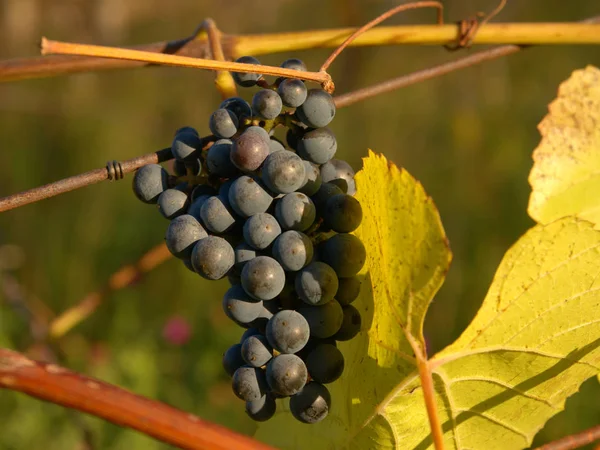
x: 565, y: 178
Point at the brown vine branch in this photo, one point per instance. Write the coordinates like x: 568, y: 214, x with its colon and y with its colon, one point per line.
x: 63, y: 387
x: 574, y: 441
x: 122, y: 278
x: 50, y: 47
x: 358, y: 95
x: 406, y: 80
x: 223, y: 79
x: 386, y: 15
x: 84, y: 179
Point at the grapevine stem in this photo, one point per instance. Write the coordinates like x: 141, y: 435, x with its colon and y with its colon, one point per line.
x: 61, y: 386
x: 223, y: 79
x: 378, y: 20
x: 260, y: 44
x: 412, y: 78
x: 66, y: 48
x: 574, y: 441
x: 79, y: 181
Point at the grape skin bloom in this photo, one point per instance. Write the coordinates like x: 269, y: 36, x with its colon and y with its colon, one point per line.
x: 263, y: 278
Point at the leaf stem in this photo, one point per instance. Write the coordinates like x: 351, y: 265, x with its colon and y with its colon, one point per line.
x: 386, y: 15
x: 429, y: 395
x: 223, y: 79
x: 574, y: 441
x: 50, y: 47
x: 63, y: 387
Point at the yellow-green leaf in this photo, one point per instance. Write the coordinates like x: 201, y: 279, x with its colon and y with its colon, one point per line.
x: 534, y: 341
x: 565, y: 178
x: 407, y: 258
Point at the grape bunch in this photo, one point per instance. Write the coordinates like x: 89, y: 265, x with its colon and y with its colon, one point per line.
x: 275, y: 217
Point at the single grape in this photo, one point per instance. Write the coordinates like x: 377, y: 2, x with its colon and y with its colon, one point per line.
x: 239, y: 306
x: 173, y: 203
x: 261, y: 230
x: 249, y: 383
x: 182, y: 234
x: 249, y: 332
x: 186, y: 130
x: 247, y: 197
x: 256, y: 351
x: 196, y: 206
x: 186, y: 146
x: 345, y: 253
x: 216, y: 215
x: 317, y: 110
x: 246, y: 79
x: 223, y: 123
x: 275, y: 145
x: 283, y: 172
x: 295, y: 211
x: 316, y: 284
x: 218, y: 161
x: 266, y: 104
x: 232, y: 359
x: 293, y: 250
x: 263, y: 278
x: 149, y: 182
x: 212, y: 257
x: 317, y: 146
x: 262, y: 409
x: 348, y: 290
x: 325, y: 192
x: 286, y: 374
x: 342, y: 213
x: 243, y: 253
x: 312, y: 179
x: 294, y: 64
x: 311, y: 404
x: 238, y: 106
x: 287, y: 331
x: 325, y: 363
x: 292, y: 92
x: 350, y: 324
x: 249, y: 150
x: 325, y: 320
x: 335, y: 169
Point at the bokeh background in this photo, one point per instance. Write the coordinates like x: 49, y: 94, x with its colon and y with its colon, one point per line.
x: 467, y: 136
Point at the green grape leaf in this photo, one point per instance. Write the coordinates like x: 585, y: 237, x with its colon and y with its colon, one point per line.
x: 565, y: 178
x: 407, y: 259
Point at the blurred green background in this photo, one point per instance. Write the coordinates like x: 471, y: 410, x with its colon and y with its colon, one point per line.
x: 467, y: 137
